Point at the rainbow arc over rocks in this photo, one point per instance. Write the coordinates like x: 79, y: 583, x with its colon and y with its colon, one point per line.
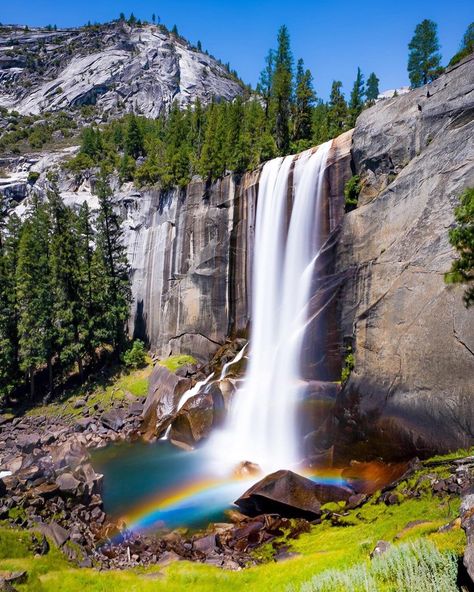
x: 189, y: 503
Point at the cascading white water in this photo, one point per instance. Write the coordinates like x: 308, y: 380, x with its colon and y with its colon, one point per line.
x: 238, y: 357
x: 261, y: 427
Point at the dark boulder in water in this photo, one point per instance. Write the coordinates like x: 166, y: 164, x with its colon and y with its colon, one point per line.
x: 290, y: 495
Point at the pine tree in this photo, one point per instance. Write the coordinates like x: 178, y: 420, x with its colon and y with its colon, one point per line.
x: 122, y: 17
x: 85, y: 251
x: 153, y: 18
x: 321, y: 123
x: 468, y: 39
x: 304, y: 101
x: 282, y: 90
x: 132, y: 20
x: 66, y: 281
x: 9, y: 367
x: 91, y: 143
x: 111, y: 271
x: 199, y: 46
x: 356, y: 102
x: 208, y: 163
x: 461, y: 237
x: 34, y: 295
x: 174, y: 31
x: 133, y: 138
x: 372, y: 88
x: 196, y: 133
x: 424, y: 58
x: 338, y: 114
x: 264, y: 86
x: 467, y: 46
x: 238, y: 157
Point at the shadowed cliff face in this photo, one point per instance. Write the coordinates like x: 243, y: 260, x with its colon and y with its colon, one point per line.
x: 412, y: 388
x: 190, y: 259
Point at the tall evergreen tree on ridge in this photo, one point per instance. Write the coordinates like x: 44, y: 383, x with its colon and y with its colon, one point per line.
x: 338, y: 114
x: 265, y: 82
x: 424, y: 60
x: 356, y: 103
x: 68, y: 310
x: 111, y: 271
x: 320, y: 123
x: 9, y: 363
x: 372, y: 88
x: 282, y: 87
x: 34, y: 295
x: 85, y: 249
x: 467, y: 45
x: 133, y: 138
x: 303, y: 107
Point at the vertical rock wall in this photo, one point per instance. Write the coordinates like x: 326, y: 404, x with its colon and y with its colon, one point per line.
x: 412, y: 388
x: 190, y: 259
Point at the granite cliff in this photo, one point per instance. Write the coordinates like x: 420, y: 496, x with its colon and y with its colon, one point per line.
x: 115, y: 66
x: 412, y: 388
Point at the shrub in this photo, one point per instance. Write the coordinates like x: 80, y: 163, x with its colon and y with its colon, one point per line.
x: 461, y: 237
x: 349, y: 363
x: 135, y: 357
x: 351, y: 193
x: 33, y: 176
x: 411, y: 567
x: 79, y: 163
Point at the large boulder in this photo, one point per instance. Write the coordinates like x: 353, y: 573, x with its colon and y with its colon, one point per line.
x: 70, y: 454
x: 113, y: 419
x: 164, y: 393
x: 290, y: 495
x: 413, y: 339
x: 197, y: 417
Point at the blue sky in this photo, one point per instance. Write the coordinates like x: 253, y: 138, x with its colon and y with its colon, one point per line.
x: 333, y: 37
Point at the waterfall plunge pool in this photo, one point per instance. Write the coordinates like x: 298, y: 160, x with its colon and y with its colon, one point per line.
x: 161, y: 486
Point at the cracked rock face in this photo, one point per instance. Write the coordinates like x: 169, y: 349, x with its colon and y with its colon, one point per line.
x: 412, y: 387
x: 115, y: 67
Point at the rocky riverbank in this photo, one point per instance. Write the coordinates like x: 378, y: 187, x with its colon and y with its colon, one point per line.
x: 50, y: 488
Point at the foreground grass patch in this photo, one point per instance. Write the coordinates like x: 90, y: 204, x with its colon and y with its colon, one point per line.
x: 326, y: 547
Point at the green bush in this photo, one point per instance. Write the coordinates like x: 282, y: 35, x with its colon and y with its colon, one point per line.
x: 461, y: 237
x: 351, y: 193
x: 135, y: 357
x: 79, y: 163
x: 411, y: 567
x: 33, y: 176
x: 349, y: 363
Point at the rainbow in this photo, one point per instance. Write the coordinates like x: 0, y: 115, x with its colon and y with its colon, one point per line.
x: 187, y: 504
x: 196, y: 501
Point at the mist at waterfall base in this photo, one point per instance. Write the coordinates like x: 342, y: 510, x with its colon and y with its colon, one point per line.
x: 161, y: 485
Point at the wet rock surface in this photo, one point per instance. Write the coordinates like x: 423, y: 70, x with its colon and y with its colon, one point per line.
x: 291, y: 495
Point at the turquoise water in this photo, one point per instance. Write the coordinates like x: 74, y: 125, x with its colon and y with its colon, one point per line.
x: 159, y: 485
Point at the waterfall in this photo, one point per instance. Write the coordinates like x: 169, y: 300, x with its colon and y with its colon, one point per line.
x: 238, y: 357
x: 262, y: 423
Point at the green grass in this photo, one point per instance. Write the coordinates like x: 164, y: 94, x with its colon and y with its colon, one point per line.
x: 173, y: 363
x: 417, y: 566
x: 326, y: 547
x: 104, y: 394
